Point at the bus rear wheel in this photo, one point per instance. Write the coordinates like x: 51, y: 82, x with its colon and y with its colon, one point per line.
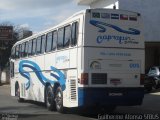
x: 50, y: 103
x: 59, y: 100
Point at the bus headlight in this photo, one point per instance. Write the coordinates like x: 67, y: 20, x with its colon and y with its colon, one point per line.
x: 95, y: 65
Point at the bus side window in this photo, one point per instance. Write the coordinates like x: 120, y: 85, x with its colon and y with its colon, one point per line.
x: 67, y: 36
x: 54, y: 43
x: 17, y: 51
x: 34, y: 47
x: 49, y: 42
x: 26, y: 49
x: 74, y: 34
x: 22, y: 49
x: 60, y: 38
x: 43, y: 44
x: 30, y: 48
x: 38, y: 48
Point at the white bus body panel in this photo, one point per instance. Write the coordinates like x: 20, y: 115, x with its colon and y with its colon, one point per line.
x: 117, y: 64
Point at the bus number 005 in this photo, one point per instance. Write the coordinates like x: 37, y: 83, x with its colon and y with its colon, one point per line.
x: 134, y: 65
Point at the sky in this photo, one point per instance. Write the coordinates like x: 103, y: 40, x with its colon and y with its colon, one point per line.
x: 37, y: 15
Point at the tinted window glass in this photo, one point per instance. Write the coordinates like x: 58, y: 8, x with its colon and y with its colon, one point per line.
x: 67, y: 36
x: 74, y: 33
x: 30, y: 48
x: 34, y: 47
x: 26, y: 49
x: 49, y: 42
x: 60, y: 38
x: 38, y: 48
x: 43, y: 44
x: 22, y: 49
x: 19, y: 55
x: 17, y: 51
x: 13, y: 53
x: 54, y: 43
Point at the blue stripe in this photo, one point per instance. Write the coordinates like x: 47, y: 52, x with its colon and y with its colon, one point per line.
x: 59, y: 76
x: 103, y: 26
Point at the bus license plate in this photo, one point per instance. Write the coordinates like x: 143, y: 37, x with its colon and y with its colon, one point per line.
x: 115, y: 94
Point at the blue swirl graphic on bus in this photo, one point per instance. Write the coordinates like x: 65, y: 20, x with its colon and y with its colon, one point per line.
x: 103, y: 26
x: 59, y: 76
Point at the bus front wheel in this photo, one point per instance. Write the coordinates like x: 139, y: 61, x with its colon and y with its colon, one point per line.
x: 59, y: 100
x: 17, y: 93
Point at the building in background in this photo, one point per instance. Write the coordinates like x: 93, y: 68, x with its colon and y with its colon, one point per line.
x: 100, y: 3
x: 6, y: 36
x: 6, y: 39
x: 149, y: 9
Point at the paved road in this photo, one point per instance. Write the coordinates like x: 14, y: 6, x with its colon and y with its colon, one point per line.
x: 32, y: 110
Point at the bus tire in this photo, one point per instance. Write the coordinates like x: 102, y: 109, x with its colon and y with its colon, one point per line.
x: 17, y: 93
x: 59, y: 100
x: 50, y: 103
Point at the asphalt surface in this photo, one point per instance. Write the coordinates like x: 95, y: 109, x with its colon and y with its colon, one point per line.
x: 10, y: 109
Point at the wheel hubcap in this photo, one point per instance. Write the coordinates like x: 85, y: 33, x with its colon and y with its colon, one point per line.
x: 58, y: 99
x: 49, y: 97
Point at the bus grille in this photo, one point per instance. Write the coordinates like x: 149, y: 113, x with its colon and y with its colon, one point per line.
x: 73, y: 90
x: 99, y: 78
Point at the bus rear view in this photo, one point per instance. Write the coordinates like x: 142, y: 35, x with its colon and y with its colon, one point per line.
x: 113, y: 59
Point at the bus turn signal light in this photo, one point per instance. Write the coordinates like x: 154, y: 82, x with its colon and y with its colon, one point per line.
x: 84, y: 79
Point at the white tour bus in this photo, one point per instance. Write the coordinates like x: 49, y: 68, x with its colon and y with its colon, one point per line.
x: 95, y: 57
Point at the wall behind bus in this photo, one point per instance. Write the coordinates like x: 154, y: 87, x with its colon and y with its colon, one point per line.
x: 5, y: 76
x: 149, y: 10
x: 105, y: 4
